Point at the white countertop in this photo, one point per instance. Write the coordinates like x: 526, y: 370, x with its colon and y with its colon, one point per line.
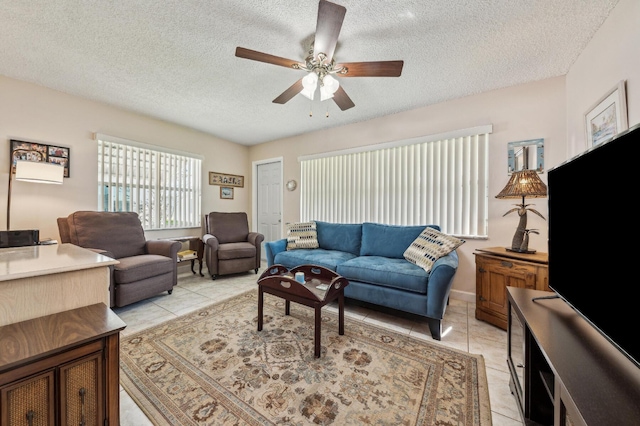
x: 33, y: 261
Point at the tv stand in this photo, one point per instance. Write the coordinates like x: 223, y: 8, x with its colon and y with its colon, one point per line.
x: 563, y: 371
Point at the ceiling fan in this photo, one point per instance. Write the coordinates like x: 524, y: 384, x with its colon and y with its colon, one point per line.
x: 320, y: 64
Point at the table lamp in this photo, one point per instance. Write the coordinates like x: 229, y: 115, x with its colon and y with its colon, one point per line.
x: 523, y: 183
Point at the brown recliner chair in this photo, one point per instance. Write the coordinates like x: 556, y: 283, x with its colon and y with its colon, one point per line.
x: 229, y: 247
x: 146, y: 268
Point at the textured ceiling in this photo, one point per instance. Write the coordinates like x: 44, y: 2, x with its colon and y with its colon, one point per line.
x: 175, y: 60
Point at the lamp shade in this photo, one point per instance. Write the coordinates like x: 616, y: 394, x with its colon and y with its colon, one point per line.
x: 524, y: 183
x: 39, y: 172
x: 309, y: 84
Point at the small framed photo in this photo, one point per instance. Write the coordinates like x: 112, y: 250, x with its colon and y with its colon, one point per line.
x: 226, y: 193
x: 608, y: 116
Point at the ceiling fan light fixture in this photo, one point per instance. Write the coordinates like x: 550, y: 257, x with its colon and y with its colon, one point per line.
x: 309, y: 84
x: 320, y: 63
x: 330, y: 84
x: 325, y: 94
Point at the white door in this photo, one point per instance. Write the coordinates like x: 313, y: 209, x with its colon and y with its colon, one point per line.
x: 269, y: 200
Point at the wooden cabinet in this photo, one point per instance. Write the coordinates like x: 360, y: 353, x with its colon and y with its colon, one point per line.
x: 563, y: 371
x: 497, y: 269
x: 61, y: 369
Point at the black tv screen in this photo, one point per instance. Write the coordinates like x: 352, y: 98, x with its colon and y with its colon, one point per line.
x: 594, y: 243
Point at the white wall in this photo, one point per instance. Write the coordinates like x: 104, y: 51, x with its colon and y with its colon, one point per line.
x: 36, y: 114
x: 529, y: 111
x: 552, y: 109
x: 612, y: 55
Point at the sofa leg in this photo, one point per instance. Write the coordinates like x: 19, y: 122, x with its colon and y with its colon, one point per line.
x: 170, y: 291
x: 213, y: 276
x: 256, y: 271
x: 435, y: 326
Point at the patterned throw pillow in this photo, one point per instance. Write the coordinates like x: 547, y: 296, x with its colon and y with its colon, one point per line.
x: 302, y: 236
x: 429, y: 247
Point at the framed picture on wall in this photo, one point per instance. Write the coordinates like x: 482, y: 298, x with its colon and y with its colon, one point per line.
x: 607, y: 117
x: 226, y: 179
x: 30, y: 151
x: 226, y: 193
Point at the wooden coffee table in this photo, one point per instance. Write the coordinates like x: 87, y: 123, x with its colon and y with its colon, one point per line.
x: 280, y: 281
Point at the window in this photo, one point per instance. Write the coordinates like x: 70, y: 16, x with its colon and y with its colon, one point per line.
x: 439, y: 179
x: 164, y: 187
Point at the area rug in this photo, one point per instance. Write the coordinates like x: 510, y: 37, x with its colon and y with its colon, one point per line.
x: 212, y: 367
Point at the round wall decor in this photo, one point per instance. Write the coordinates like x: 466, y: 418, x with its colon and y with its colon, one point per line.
x: 292, y: 185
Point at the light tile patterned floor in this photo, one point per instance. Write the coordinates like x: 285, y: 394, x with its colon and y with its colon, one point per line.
x: 466, y: 333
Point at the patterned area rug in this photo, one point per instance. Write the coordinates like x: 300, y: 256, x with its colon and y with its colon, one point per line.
x: 212, y: 367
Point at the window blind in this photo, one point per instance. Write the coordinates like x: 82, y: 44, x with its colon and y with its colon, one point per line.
x: 440, y: 179
x: 162, y: 186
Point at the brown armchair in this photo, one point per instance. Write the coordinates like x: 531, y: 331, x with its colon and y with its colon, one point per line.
x: 229, y: 247
x: 146, y: 268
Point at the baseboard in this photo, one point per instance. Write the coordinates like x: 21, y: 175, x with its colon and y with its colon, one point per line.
x: 465, y: 296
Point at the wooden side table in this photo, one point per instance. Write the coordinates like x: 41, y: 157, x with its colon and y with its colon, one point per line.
x: 497, y: 269
x: 195, y: 244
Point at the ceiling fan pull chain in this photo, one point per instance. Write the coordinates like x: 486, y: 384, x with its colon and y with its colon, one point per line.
x: 327, y: 111
x: 310, y: 108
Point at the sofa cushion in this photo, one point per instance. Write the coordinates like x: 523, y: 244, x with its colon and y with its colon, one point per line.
x: 429, y: 246
x: 228, y: 227
x: 387, y: 272
x: 136, y: 268
x: 328, y: 258
x: 388, y: 240
x: 236, y: 251
x: 340, y: 236
x: 120, y: 233
x: 302, y: 235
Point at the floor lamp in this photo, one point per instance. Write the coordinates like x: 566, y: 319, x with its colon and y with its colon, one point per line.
x: 33, y: 171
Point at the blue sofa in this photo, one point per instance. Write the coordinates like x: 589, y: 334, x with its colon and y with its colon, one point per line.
x: 370, y: 256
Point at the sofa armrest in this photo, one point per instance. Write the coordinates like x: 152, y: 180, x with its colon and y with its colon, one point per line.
x: 210, y: 241
x: 166, y: 248
x: 255, y: 238
x: 440, y: 282
x: 271, y: 248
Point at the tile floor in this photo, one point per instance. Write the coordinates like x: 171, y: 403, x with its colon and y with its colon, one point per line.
x: 466, y: 333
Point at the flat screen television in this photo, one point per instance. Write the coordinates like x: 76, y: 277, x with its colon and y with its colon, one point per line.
x: 594, y: 245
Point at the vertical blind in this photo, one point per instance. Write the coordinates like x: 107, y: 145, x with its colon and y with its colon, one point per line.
x: 440, y: 179
x: 162, y: 186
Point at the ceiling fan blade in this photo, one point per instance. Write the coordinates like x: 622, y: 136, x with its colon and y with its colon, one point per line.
x: 254, y: 55
x: 288, y: 94
x: 342, y: 99
x: 330, y: 17
x: 372, y: 69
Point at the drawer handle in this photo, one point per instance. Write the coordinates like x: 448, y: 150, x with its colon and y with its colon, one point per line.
x: 507, y: 264
x: 83, y: 392
x: 30, y: 415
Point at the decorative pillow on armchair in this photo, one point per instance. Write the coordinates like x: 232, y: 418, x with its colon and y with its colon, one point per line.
x: 302, y: 236
x: 429, y: 247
